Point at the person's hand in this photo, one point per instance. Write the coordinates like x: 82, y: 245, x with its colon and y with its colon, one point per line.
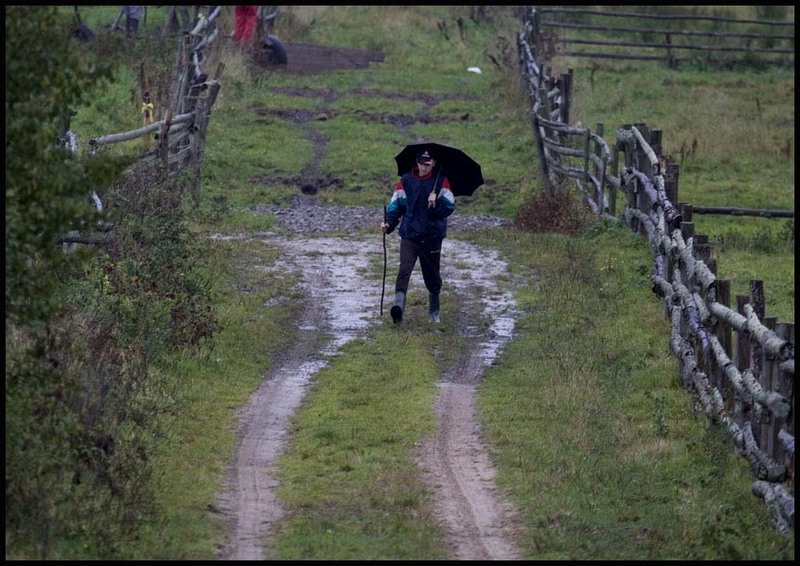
x: 432, y: 200
x: 384, y: 227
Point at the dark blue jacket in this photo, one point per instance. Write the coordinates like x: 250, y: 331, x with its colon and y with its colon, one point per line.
x: 410, y: 204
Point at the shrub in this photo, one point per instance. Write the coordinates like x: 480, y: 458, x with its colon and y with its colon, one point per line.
x: 553, y: 211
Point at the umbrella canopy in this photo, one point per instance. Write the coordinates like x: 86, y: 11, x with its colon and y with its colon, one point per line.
x: 463, y: 172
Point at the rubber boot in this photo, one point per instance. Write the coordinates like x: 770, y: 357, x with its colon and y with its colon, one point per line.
x: 433, y: 308
x: 398, y: 306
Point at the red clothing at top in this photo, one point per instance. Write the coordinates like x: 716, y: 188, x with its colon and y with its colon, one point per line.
x: 244, y: 22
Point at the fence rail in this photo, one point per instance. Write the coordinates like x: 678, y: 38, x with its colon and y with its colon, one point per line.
x: 733, y: 211
x: 655, y: 34
x: 738, y: 364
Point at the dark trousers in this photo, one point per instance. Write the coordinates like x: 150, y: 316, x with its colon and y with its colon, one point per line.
x: 429, y: 254
x: 131, y: 26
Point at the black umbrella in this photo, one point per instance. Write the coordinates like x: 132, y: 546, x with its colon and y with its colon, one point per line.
x: 463, y: 172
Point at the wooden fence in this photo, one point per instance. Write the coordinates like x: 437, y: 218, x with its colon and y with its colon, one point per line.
x: 738, y: 364
x: 625, y: 34
x: 181, y: 132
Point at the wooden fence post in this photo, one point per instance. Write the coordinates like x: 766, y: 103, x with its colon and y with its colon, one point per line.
x: 687, y: 229
x: 612, y: 193
x: 655, y: 142
x: 642, y: 163
x: 599, y: 190
x: 742, y: 408
x: 587, y: 140
x: 566, y: 96
x: 784, y: 385
x: 545, y: 106
x: 630, y: 190
x: 537, y: 134
x: 536, y: 28
x: 769, y: 432
x: 724, y: 334
x: 717, y: 375
x: 756, y: 300
x: 701, y: 250
x: 671, y: 177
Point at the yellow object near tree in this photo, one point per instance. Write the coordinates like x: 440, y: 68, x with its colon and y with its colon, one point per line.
x: 147, y: 110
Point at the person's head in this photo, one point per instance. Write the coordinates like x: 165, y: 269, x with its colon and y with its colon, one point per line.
x: 425, y: 162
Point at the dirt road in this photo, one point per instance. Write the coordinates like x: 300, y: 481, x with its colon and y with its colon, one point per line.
x: 454, y: 463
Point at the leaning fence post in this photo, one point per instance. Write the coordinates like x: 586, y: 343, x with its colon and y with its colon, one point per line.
x: 540, y: 149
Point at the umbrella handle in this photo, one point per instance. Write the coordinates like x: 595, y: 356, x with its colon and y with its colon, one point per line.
x: 435, y: 191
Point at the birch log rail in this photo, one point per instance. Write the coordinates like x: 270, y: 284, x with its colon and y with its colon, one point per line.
x: 140, y: 132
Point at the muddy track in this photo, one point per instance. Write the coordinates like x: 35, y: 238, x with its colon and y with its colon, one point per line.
x: 454, y: 463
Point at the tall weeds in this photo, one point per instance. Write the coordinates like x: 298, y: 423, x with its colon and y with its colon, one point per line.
x: 89, y: 430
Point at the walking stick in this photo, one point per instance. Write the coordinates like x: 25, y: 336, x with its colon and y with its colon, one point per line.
x: 383, y: 287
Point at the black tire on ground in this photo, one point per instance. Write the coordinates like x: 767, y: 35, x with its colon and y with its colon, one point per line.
x: 278, y: 51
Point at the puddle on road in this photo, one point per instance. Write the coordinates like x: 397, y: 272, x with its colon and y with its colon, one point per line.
x: 468, y: 265
x: 333, y: 272
x: 333, y: 275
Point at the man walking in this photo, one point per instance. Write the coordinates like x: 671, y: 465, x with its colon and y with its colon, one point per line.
x: 422, y: 201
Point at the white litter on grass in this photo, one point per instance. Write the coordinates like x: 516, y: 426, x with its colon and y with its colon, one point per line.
x: 474, y: 70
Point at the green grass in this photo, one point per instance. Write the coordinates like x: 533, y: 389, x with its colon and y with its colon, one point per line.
x: 732, y: 134
x: 594, y: 440
x: 591, y: 430
x: 349, y: 483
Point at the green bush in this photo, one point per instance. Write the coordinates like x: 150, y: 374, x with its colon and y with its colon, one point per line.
x: 89, y: 331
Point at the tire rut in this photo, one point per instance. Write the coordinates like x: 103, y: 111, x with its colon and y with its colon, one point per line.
x: 249, y: 504
x: 455, y: 462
